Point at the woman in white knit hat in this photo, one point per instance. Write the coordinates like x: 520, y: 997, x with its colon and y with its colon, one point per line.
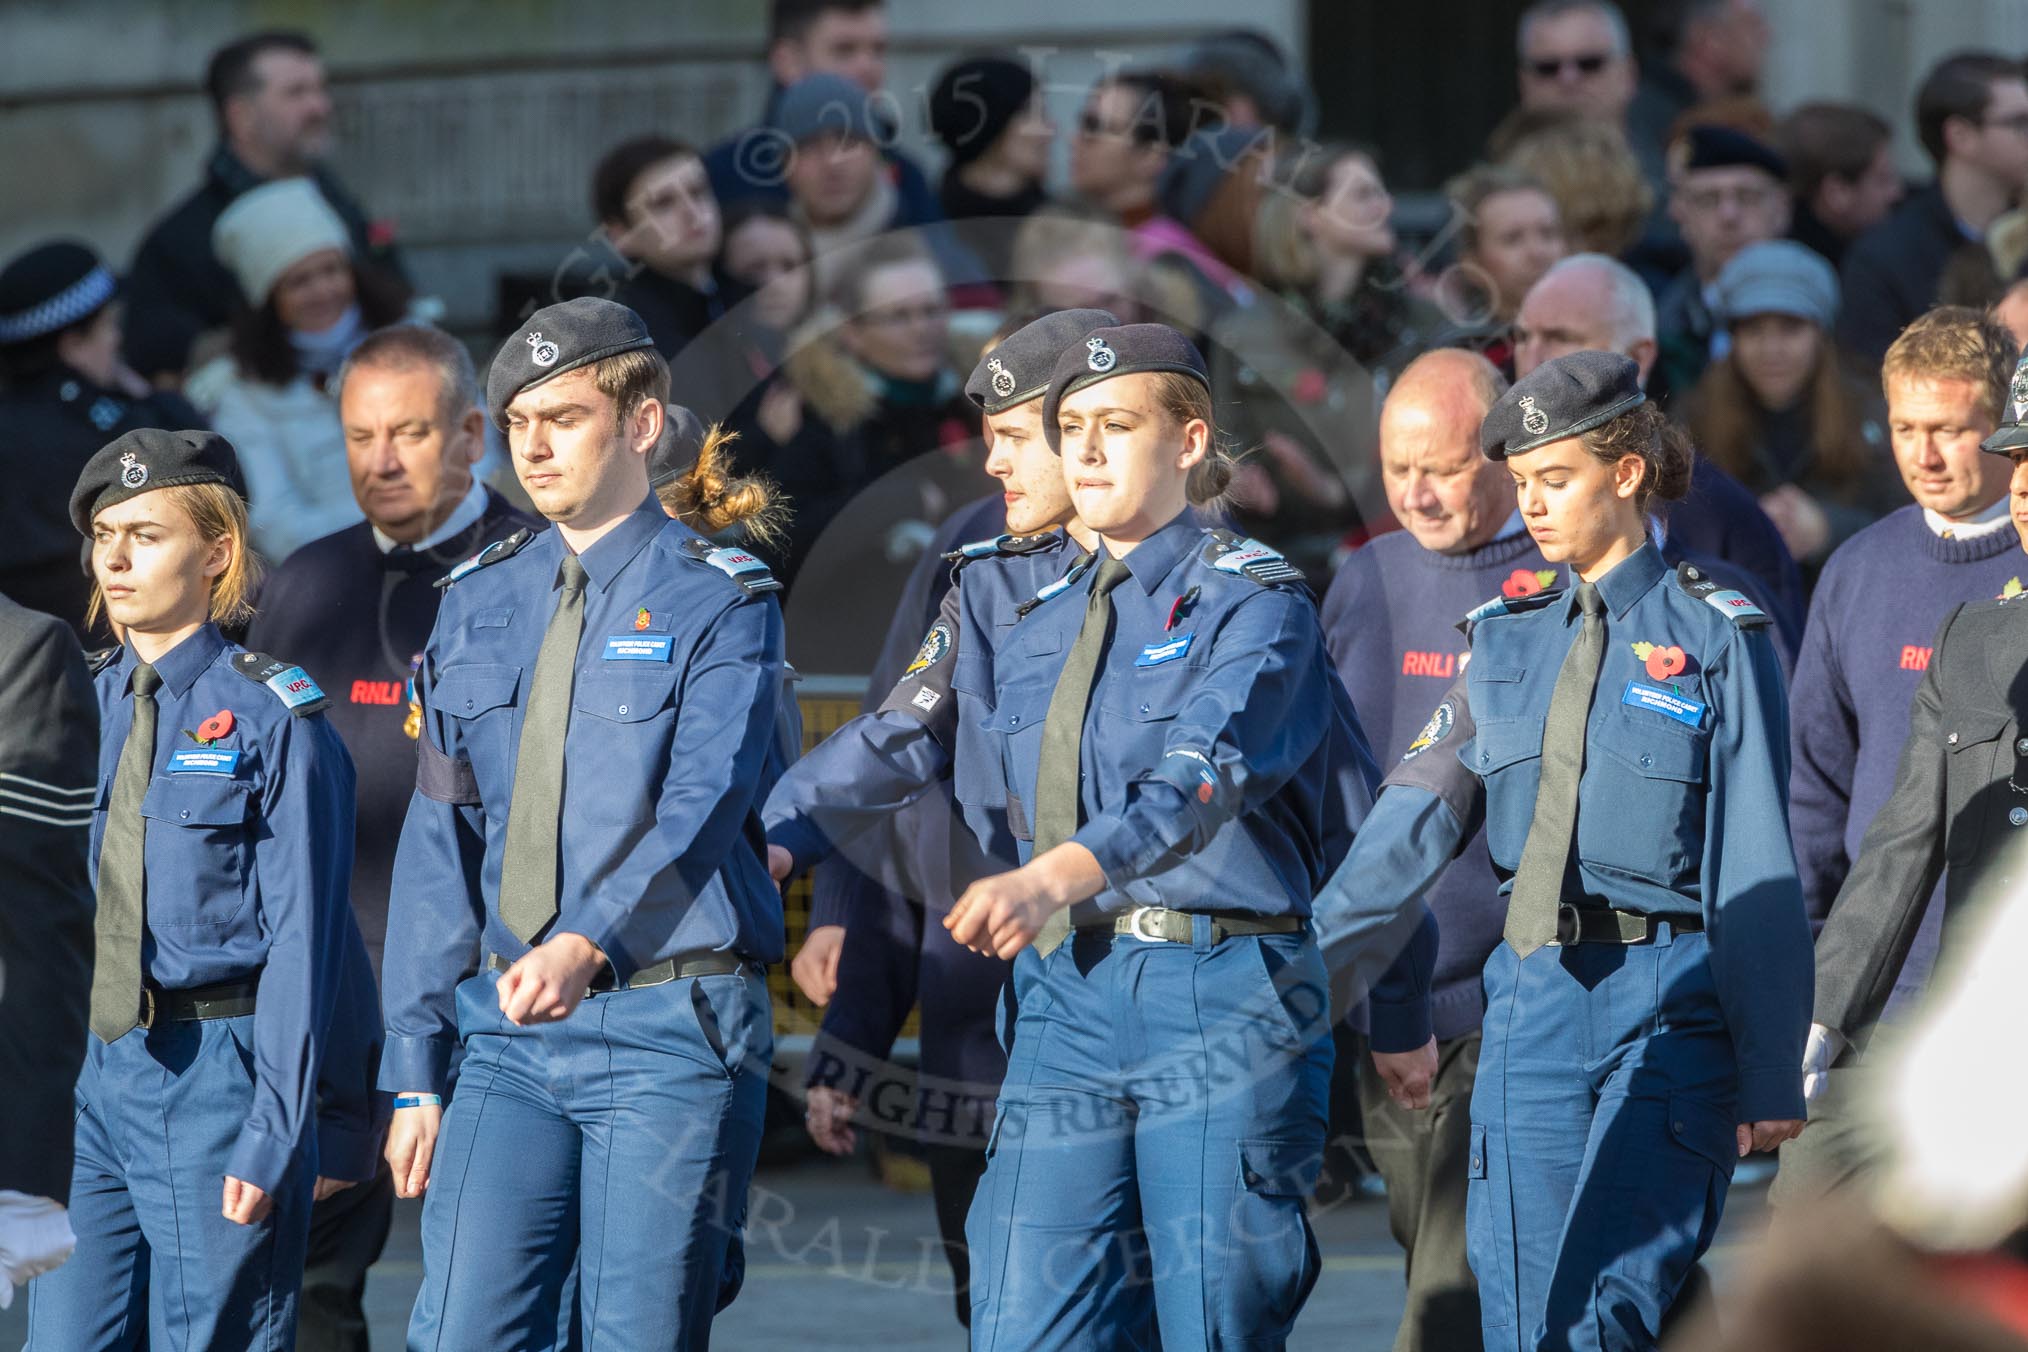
x: 309, y: 304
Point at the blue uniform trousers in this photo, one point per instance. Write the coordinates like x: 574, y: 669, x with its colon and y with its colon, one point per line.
x: 157, y: 1265
x: 618, y: 1142
x: 1160, y: 1127
x: 1602, y: 1141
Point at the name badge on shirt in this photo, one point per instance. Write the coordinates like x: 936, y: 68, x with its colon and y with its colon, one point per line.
x: 637, y: 648
x: 1156, y: 653
x: 203, y: 762
x: 1664, y: 702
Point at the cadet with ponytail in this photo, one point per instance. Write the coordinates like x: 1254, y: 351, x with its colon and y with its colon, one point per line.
x: 1625, y: 744
x: 221, y: 855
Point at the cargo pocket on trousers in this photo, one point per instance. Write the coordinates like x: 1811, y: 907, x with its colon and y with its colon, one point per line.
x: 1486, y: 1245
x: 1269, y: 1261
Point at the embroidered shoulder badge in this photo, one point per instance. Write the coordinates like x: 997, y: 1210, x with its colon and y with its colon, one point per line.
x: 1439, y: 727
x: 1250, y: 559
x: 1735, y: 606
x: 487, y: 557
x: 743, y: 568
x: 288, y: 683
x: 936, y: 645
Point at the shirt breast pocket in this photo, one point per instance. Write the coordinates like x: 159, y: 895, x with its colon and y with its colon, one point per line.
x: 1645, y: 788
x: 1015, y: 724
x: 1506, y: 753
x: 1977, y: 765
x: 622, y: 730
x: 199, y: 849
x: 478, y: 700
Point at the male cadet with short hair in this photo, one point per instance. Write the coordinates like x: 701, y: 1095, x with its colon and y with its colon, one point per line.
x: 1390, y: 623
x: 575, y: 898
x: 1878, y: 604
x: 1954, y: 802
x: 356, y: 608
x: 879, y: 789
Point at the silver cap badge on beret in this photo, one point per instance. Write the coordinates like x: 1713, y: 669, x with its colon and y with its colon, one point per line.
x: 1003, y: 379
x: 541, y: 351
x: 132, y: 472
x: 1533, y: 420
x: 2018, y: 392
x: 1102, y: 356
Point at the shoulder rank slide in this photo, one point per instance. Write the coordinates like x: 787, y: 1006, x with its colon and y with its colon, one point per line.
x: 1507, y: 605
x: 1735, y: 606
x: 490, y: 555
x: 743, y: 568
x: 1062, y: 584
x: 1250, y: 559
x: 99, y: 659
x: 1000, y: 545
x: 290, y: 684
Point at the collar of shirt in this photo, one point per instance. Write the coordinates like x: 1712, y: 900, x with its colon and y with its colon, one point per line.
x: 1630, y: 580
x: 1153, y: 558
x: 604, y: 561
x: 1971, y: 527
x: 469, y: 509
x: 180, y: 667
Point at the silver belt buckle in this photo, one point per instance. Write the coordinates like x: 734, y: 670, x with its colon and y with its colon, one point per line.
x: 148, y: 1007
x: 1134, y: 919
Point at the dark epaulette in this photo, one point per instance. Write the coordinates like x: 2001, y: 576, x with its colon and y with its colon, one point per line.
x: 1077, y: 567
x: 1507, y: 605
x: 743, y: 568
x: 1229, y: 552
x: 1000, y: 546
x: 99, y: 659
x: 1735, y: 606
x: 290, y: 684
x: 487, y: 557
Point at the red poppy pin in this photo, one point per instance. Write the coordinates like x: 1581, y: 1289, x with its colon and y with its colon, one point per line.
x: 212, y: 728
x: 1309, y: 386
x: 1527, y: 582
x: 1663, y: 663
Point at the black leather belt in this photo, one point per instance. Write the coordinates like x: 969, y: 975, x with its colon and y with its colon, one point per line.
x: 1590, y: 925
x: 220, y: 1000
x: 1159, y: 924
x: 673, y: 969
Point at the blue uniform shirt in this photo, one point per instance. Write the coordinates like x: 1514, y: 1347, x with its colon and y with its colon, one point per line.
x: 881, y: 761
x: 248, y: 855
x: 1223, y: 768
x: 1682, y: 807
x: 673, y: 708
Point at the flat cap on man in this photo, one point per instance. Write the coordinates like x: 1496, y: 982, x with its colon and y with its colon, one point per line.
x: 146, y: 459
x: 1561, y: 398
x: 676, y: 451
x: 1019, y: 366
x: 1129, y: 349
x: 823, y: 105
x: 2013, y: 431
x: 556, y: 339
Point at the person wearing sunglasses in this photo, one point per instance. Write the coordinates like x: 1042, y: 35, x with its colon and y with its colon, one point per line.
x: 1576, y: 57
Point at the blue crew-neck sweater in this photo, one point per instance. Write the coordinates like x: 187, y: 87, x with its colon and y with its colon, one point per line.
x: 1390, y: 622
x: 1878, y: 604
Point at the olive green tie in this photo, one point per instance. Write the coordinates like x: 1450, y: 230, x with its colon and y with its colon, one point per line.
x: 1545, y: 859
x: 123, y: 879
x: 1059, y: 772
x: 528, y: 866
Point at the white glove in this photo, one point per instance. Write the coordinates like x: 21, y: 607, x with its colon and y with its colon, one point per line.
x: 35, y: 1236
x: 1824, y: 1046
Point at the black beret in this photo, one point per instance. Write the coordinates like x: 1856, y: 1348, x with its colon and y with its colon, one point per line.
x: 146, y: 459
x: 1561, y: 398
x: 676, y: 451
x: 2013, y: 433
x: 1711, y: 147
x: 1019, y: 366
x: 1123, y: 351
x: 50, y: 288
x: 974, y: 102
x: 556, y: 339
